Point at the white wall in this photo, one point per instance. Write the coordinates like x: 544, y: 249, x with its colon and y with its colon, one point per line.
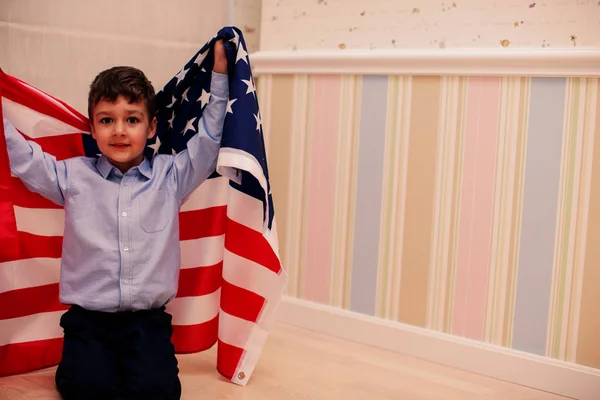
x: 387, y: 24
x: 60, y: 45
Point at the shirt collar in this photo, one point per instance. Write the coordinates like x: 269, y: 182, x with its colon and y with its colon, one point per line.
x: 105, y: 167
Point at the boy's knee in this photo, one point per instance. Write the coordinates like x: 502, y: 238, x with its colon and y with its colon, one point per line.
x: 163, y: 388
x: 86, y: 387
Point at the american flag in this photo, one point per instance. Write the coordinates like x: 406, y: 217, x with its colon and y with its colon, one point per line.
x: 231, y: 278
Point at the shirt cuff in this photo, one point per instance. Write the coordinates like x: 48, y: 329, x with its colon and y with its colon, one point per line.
x: 219, y: 85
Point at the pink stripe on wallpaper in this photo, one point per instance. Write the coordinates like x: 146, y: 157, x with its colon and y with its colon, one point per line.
x: 326, y: 104
x: 476, y: 207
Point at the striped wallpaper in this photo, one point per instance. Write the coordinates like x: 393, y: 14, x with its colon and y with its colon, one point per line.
x: 469, y: 206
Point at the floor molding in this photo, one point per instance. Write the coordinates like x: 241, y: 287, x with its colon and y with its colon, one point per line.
x: 580, y: 62
x: 555, y: 376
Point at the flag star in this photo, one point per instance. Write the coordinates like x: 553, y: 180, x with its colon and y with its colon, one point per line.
x: 190, y: 125
x: 235, y: 39
x: 184, y: 95
x: 229, y: 104
x: 156, y: 145
x: 174, y: 101
x: 241, y: 55
x: 204, y: 98
x: 200, y: 58
x: 250, y: 85
x: 181, y: 75
x: 258, y: 121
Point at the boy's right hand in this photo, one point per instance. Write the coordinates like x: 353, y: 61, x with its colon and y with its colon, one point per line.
x: 220, y: 65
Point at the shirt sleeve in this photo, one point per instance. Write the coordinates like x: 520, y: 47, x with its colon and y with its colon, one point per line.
x: 195, y: 164
x: 40, y: 172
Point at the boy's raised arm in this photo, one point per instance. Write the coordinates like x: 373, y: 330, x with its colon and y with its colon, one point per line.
x: 195, y: 165
x: 39, y: 171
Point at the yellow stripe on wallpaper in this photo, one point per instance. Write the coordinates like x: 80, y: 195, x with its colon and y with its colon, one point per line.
x: 422, y: 148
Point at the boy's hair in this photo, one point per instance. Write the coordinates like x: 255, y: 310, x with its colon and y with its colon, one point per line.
x: 129, y: 82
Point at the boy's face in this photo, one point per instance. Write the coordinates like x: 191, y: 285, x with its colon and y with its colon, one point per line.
x: 121, y: 129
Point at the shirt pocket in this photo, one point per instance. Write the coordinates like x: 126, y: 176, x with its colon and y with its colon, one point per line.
x: 156, y: 210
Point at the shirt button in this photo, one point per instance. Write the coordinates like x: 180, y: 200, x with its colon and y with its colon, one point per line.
x: 126, y: 281
x: 125, y: 248
x: 124, y: 214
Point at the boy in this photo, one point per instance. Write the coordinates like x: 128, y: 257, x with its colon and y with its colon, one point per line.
x: 120, y: 260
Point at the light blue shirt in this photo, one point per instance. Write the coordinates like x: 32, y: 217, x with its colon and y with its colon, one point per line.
x: 121, y: 237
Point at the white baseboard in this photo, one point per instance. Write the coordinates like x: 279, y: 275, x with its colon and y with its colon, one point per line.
x: 542, y: 373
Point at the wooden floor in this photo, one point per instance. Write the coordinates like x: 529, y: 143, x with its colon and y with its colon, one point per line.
x: 303, y: 365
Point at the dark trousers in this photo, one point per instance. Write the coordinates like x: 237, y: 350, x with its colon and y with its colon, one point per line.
x: 125, y: 355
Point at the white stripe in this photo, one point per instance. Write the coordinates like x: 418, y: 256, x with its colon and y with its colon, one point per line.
x: 194, y: 310
x: 245, y: 210
x: 252, y: 276
x: 231, y: 159
x: 50, y: 99
x: 202, y: 252
x: 28, y: 220
x: 32, y: 123
x: 249, y: 336
x: 27, y: 273
x: 233, y: 330
x: 31, y: 328
x: 212, y: 193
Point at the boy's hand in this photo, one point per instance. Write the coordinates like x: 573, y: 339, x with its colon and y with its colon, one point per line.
x: 220, y: 58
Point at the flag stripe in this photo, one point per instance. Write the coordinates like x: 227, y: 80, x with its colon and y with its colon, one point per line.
x: 28, y: 220
x: 227, y: 356
x: 241, y: 302
x: 201, y: 252
x: 194, y: 310
x: 32, y: 100
x: 367, y: 214
x: 27, y: 328
x: 29, y: 301
x: 212, y: 223
x: 35, y: 246
x: 212, y: 193
x: 252, y: 245
x: 25, y: 198
x: 540, y: 201
x: 195, y: 338
x: 16, y: 358
x: 200, y: 280
x: 21, y: 274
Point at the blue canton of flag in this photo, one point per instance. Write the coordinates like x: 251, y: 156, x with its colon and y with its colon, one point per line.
x: 181, y: 102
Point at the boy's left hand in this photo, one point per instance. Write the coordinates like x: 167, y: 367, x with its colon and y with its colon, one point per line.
x: 220, y: 65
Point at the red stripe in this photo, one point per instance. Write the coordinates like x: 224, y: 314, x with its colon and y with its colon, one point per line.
x: 228, y: 358
x: 35, y: 246
x: 8, y: 223
x: 202, y: 223
x: 200, y: 281
x: 61, y: 146
x: 23, y: 197
x: 240, y: 302
x: 195, y: 338
x: 28, y: 301
x: 19, y: 358
x: 15, y: 90
x: 250, y: 244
